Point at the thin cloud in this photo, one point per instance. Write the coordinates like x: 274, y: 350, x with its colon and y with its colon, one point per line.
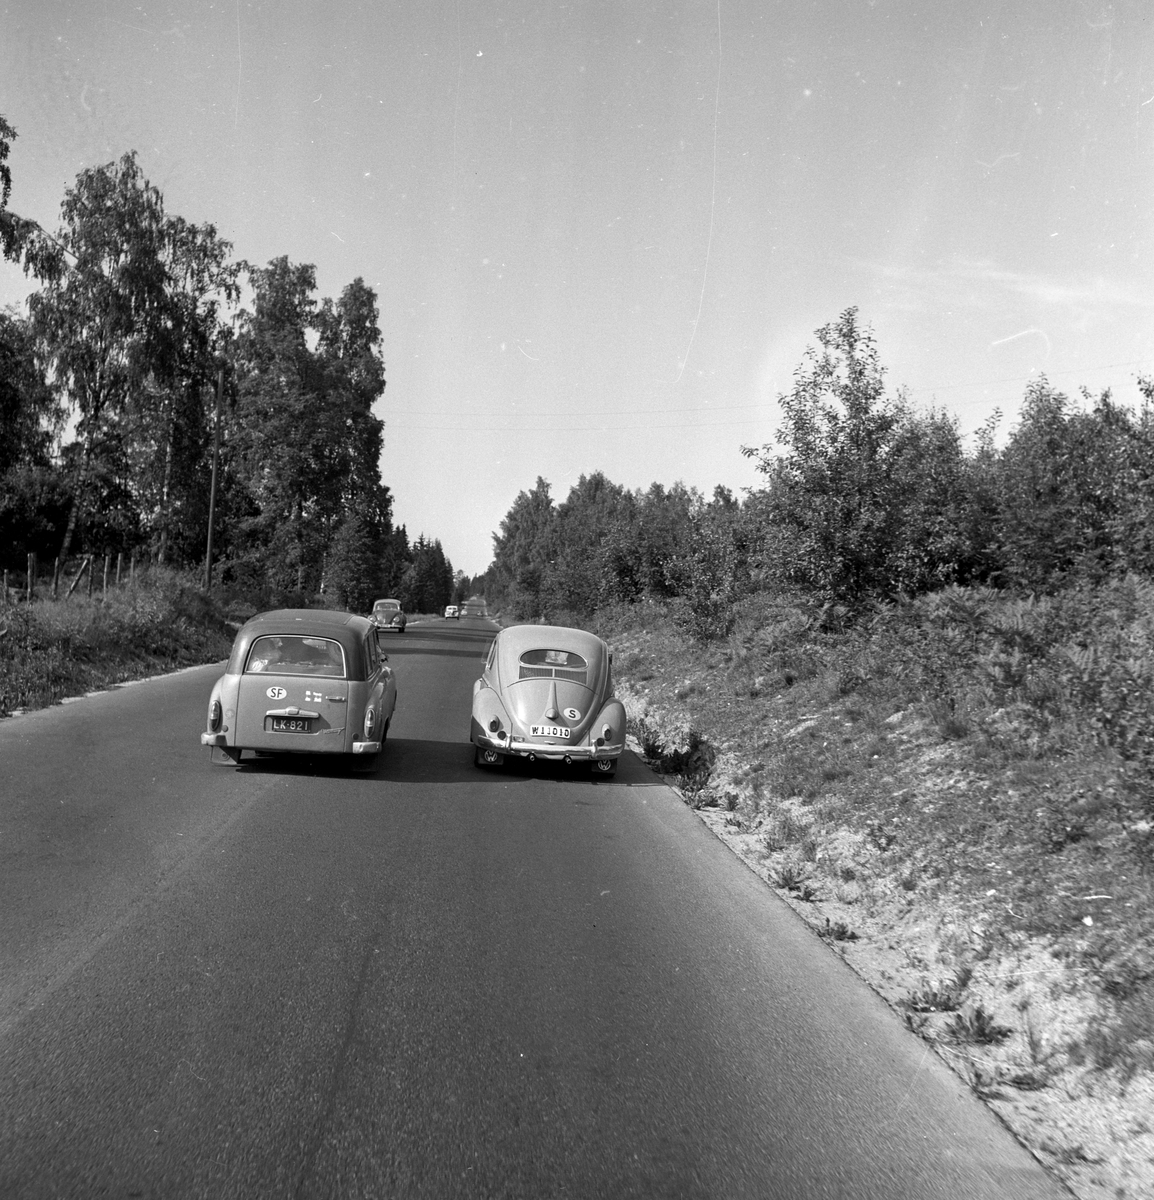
x: 975, y: 283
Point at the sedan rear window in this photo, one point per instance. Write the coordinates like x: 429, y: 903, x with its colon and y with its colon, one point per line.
x: 553, y: 664
x: 292, y: 654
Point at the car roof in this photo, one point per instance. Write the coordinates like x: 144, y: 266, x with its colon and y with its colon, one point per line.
x: 378, y: 603
x: 344, y: 627
x: 515, y: 640
x: 291, y: 619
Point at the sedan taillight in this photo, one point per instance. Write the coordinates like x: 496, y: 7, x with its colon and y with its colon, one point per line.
x: 214, y: 716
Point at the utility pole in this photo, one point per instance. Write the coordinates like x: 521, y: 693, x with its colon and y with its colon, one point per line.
x: 212, y: 486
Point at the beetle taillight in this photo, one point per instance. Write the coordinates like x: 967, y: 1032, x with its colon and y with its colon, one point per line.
x: 494, y: 725
x: 214, y: 716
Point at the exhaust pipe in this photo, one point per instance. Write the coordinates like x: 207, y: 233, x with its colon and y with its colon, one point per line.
x: 532, y: 758
x: 568, y: 760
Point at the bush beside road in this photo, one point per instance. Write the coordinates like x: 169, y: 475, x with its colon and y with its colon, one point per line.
x: 53, y: 649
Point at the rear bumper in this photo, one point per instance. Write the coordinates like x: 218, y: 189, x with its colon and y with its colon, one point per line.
x: 221, y: 740
x: 552, y: 751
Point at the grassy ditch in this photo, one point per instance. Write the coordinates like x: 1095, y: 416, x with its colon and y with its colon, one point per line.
x: 958, y: 796
x: 57, y: 648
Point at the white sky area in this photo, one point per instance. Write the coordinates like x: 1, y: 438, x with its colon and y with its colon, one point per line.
x: 603, y: 233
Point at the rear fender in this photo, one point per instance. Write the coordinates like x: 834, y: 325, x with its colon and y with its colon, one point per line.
x: 487, y: 707
x: 612, y: 714
x: 227, y: 690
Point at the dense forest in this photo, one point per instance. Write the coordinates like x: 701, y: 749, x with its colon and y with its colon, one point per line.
x: 136, y: 366
x: 864, y: 500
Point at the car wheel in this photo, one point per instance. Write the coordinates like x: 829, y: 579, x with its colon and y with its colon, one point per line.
x: 604, y: 768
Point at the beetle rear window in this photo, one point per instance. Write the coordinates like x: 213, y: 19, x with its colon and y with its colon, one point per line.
x: 291, y: 654
x: 553, y: 664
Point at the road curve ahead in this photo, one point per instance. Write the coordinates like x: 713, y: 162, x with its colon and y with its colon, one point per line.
x: 287, y: 981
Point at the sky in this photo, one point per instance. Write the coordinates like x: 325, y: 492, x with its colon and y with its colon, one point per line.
x: 603, y: 233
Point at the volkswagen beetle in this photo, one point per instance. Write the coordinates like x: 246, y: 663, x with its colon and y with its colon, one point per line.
x: 303, y: 681
x: 388, y: 614
x: 547, y: 692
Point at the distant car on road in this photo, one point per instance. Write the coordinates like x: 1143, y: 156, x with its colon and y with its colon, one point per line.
x: 474, y: 608
x: 547, y: 692
x: 303, y: 681
x: 452, y: 613
x: 388, y: 614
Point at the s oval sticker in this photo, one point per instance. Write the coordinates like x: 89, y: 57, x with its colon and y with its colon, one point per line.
x: 276, y: 693
x: 573, y: 714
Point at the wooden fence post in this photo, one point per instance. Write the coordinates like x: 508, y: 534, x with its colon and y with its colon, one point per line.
x: 132, y: 571
x: 5, y: 586
x: 119, y: 565
x: 84, y: 563
x: 104, y: 585
x: 56, y: 578
x: 31, y: 576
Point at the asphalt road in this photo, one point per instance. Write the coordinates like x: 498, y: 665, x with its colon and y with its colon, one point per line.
x: 286, y: 981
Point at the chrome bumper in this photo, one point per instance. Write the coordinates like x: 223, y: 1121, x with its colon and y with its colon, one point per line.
x: 517, y: 748
x: 220, y: 739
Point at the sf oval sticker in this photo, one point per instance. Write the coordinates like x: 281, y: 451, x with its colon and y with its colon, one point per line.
x: 276, y: 693
x: 573, y: 714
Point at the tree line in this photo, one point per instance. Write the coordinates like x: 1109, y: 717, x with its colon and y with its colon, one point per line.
x: 136, y: 352
x: 864, y: 499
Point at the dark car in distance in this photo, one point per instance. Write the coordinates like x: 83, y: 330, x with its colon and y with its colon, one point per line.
x: 388, y: 614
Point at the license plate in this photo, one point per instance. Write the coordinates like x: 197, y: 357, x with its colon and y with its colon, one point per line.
x: 557, y: 731
x: 291, y: 725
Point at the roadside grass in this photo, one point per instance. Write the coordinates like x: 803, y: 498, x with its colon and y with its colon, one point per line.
x: 52, y: 649
x: 956, y: 786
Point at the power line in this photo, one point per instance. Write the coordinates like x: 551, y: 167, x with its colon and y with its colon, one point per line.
x: 594, y: 412
x: 551, y: 429
x: 765, y: 407
x: 946, y: 387
x: 719, y: 408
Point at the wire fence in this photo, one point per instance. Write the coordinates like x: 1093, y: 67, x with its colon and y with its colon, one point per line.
x: 89, y: 574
